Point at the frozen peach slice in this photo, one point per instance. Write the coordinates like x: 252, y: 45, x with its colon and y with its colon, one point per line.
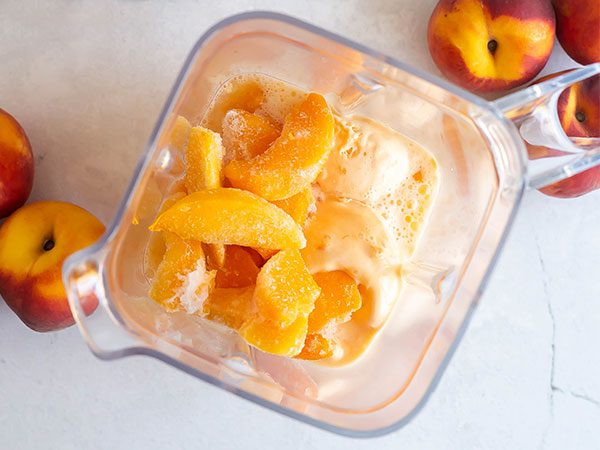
x: 238, y: 270
x: 181, y: 280
x: 156, y: 248
x: 339, y: 298
x: 272, y: 338
x: 180, y: 133
x: 231, y: 216
x: 295, y: 159
x: 242, y: 93
x: 176, y: 133
x: 203, y: 160
x: 297, y: 206
x: 265, y: 253
x: 285, y: 290
x: 229, y: 306
x: 246, y: 135
x: 316, y: 347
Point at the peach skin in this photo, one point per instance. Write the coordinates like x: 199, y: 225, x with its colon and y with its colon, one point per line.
x: 491, y: 45
x: 16, y: 165
x: 578, y: 29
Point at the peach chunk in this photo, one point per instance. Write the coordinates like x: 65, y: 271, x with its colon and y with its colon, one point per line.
x: 295, y: 159
x: 297, y: 206
x: 272, y: 338
x: 238, y: 93
x: 316, y: 346
x: 156, y: 248
x: 203, y: 159
x: 231, y: 216
x: 176, y: 133
x: 238, y: 270
x: 339, y: 298
x: 229, y: 306
x: 181, y: 280
x: 285, y: 290
x: 246, y: 135
x: 180, y: 133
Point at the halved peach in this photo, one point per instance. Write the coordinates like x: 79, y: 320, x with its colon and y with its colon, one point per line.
x: 316, y: 347
x: 272, y: 338
x: 339, y: 298
x: 231, y: 216
x: 181, y: 280
x: 229, y: 306
x: 295, y: 159
x: 246, y: 135
x: 203, y: 160
x: 285, y: 290
x: 238, y: 270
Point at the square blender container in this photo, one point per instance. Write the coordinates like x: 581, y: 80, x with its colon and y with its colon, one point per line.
x: 483, y: 173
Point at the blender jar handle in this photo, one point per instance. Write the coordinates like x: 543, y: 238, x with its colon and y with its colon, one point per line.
x: 535, y: 114
x: 102, y: 331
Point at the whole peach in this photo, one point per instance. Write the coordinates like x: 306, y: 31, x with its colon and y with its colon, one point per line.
x: 578, y: 29
x: 34, y: 242
x: 16, y: 165
x: 491, y: 45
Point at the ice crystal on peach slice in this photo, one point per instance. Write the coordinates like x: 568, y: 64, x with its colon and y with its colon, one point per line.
x: 316, y: 347
x: 229, y: 306
x: 295, y: 159
x: 272, y: 338
x: 239, y: 268
x: 246, y: 135
x: 181, y: 280
x: 339, y: 298
x: 285, y: 290
x: 231, y: 216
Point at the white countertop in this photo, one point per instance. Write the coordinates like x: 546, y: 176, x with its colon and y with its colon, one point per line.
x: 87, y: 80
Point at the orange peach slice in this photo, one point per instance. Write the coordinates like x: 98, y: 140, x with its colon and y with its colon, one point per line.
x: 295, y: 159
x: 297, y: 206
x: 181, y: 280
x: 180, y: 133
x: 156, y: 247
x: 339, y: 298
x: 272, y: 338
x: 229, y: 306
x: 316, y: 347
x: 241, y: 93
x: 285, y: 290
x: 246, y: 135
x: 238, y: 269
x: 231, y: 216
x: 176, y: 133
x: 203, y: 159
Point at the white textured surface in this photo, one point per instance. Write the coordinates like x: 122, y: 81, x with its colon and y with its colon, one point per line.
x: 87, y: 79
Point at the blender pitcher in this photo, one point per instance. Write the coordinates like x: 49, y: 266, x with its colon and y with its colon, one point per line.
x: 484, y: 171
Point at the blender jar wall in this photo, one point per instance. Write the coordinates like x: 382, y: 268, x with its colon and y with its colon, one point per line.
x: 481, y: 181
